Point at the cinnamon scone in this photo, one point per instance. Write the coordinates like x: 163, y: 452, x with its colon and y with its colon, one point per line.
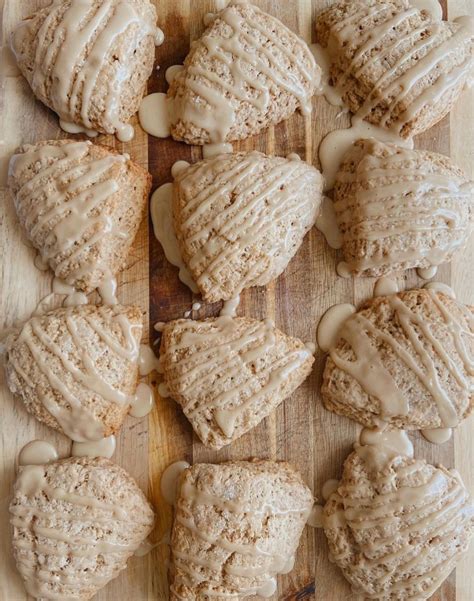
x: 89, y: 61
x: 239, y: 219
x: 399, y: 208
x: 75, y: 524
x: 396, y: 526
x: 81, y: 205
x: 247, y: 72
x: 229, y: 373
x: 393, y: 64
x: 76, y: 369
x: 237, y: 525
x: 406, y: 359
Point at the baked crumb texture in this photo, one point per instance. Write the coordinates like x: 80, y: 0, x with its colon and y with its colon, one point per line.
x: 405, y: 359
x: 237, y: 525
x: 393, y: 65
x: 240, y: 218
x: 75, y: 524
x: 229, y: 373
x: 397, y: 533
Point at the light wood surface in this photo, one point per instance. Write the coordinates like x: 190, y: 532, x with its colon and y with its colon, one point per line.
x: 300, y: 431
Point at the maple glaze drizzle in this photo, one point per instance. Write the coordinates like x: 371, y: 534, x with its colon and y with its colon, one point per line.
x: 244, y: 54
x: 67, y: 69
x: 213, y: 242
x: 230, y: 352
x: 387, y: 199
x: 370, y: 372
x: 75, y: 419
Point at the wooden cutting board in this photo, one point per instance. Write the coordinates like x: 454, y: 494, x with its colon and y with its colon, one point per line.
x: 301, y: 431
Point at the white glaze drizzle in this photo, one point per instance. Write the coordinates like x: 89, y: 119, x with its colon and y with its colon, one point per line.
x: 37, y: 452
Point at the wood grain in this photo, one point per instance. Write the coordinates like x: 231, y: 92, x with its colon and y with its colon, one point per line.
x: 300, y: 431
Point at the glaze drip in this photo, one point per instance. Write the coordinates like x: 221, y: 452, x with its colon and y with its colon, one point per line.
x: 64, y: 208
x: 244, y: 69
x: 68, y: 69
x: 400, y: 209
x: 418, y: 346
x: 82, y: 372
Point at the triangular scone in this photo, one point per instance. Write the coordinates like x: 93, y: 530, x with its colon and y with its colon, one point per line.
x: 399, y: 208
x: 75, y: 524
x: 76, y: 369
x: 396, y: 526
x: 247, y: 72
x: 89, y: 61
x: 406, y: 359
x: 229, y: 373
x: 237, y: 525
x: 393, y: 64
x: 81, y: 205
x: 240, y: 218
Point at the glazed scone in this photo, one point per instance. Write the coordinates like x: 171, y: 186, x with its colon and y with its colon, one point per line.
x: 89, y: 61
x: 399, y: 208
x: 239, y: 219
x: 237, y: 525
x: 396, y: 526
x: 247, y: 72
x: 81, y: 205
x: 76, y: 369
x: 75, y: 524
x: 405, y: 359
x: 229, y: 373
x: 393, y: 65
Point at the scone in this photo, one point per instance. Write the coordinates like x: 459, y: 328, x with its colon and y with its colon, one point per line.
x: 76, y: 369
x: 237, y: 525
x: 81, y: 206
x: 405, y: 359
x: 393, y: 65
x: 399, y: 208
x: 239, y: 219
x: 396, y: 525
x: 229, y: 373
x: 89, y: 61
x: 247, y: 72
x: 75, y: 524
